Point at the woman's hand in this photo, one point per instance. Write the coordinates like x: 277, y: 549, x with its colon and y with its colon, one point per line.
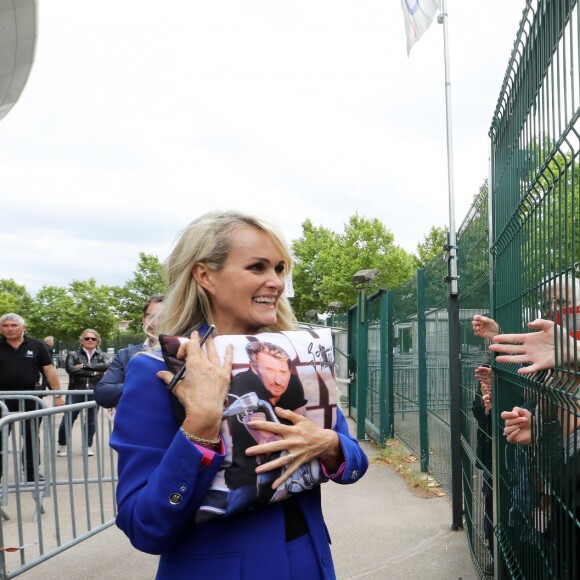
x: 303, y: 440
x: 518, y: 426
x: 486, y: 400
x: 537, y: 348
x: 484, y: 326
x: 203, y: 390
x: 483, y: 375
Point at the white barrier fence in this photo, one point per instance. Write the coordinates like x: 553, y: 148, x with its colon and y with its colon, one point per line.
x: 48, y: 502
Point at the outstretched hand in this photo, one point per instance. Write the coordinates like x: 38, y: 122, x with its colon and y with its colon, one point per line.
x: 303, y: 441
x: 484, y: 326
x: 537, y: 348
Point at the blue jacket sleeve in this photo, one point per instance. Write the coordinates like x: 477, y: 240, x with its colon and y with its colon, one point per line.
x: 162, y: 475
x: 355, y: 459
x: 110, y: 388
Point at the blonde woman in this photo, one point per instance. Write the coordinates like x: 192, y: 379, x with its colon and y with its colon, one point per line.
x: 227, y: 269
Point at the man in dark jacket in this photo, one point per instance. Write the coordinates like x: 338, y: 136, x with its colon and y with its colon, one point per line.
x: 85, y: 367
x: 110, y: 388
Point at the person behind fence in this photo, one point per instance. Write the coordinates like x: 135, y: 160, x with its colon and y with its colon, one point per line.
x: 227, y: 269
x: 270, y: 377
x: 85, y: 367
x: 21, y: 360
x: 49, y: 342
x: 553, y: 427
x: 551, y: 345
x: 110, y: 388
x: 481, y: 409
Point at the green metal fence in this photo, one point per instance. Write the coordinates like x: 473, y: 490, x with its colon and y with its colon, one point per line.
x: 536, y: 143
x: 518, y: 261
x: 519, y: 253
x: 475, y: 422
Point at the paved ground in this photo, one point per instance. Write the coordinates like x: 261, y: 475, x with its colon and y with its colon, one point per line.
x: 379, y: 530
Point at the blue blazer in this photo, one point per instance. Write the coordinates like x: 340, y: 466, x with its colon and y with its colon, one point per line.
x: 163, y: 478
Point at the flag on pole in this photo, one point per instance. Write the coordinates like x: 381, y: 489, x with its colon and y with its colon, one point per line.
x: 418, y: 17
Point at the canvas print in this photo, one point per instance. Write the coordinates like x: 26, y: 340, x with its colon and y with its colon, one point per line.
x: 292, y: 370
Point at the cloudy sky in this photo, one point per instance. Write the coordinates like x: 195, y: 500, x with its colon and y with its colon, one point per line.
x: 138, y: 116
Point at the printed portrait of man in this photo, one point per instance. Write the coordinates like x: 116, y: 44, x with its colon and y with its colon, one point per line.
x: 270, y: 377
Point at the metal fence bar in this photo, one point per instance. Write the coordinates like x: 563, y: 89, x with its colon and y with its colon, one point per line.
x: 422, y: 371
x: 81, y: 487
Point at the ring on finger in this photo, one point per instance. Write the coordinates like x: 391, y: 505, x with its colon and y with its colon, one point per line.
x: 290, y: 458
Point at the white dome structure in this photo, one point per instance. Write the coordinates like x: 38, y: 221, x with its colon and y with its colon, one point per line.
x: 18, y: 24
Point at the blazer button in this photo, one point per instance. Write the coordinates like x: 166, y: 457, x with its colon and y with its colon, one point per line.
x: 175, y: 498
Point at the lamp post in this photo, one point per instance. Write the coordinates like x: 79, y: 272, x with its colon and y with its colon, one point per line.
x: 333, y: 308
x: 361, y: 281
x: 312, y: 314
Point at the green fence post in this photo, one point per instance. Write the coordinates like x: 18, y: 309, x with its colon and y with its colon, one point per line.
x: 422, y: 369
x: 362, y: 365
x: 386, y: 395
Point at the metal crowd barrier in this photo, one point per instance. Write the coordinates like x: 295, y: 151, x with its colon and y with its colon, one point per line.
x: 70, y: 499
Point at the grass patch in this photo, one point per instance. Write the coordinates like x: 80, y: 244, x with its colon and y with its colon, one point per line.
x: 406, y: 464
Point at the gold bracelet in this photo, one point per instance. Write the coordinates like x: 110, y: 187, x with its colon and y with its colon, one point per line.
x: 200, y: 440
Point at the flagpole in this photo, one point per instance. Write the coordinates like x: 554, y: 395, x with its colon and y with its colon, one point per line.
x: 452, y: 243
x: 453, y: 310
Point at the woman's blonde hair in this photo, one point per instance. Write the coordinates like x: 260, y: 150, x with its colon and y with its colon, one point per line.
x: 208, y: 239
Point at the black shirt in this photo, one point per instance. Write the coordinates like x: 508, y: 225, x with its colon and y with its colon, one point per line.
x: 20, y: 367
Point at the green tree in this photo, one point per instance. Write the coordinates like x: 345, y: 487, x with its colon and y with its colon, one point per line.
x: 148, y: 279
x: 14, y: 298
x: 93, y: 307
x: 50, y: 313
x: 311, y: 252
x: 325, y: 262
x: 66, y: 312
x: 432, y: 246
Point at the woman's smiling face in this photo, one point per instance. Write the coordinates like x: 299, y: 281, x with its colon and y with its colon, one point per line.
x: 244, y: 294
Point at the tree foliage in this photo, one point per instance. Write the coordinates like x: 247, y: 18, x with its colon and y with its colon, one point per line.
x: 148, y: 279
x: 313, y: 255
x: 325, y: 262
x: 431, y: 248
x: 14, y: 298
x: 50, y: 313
x: 65, y: 311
